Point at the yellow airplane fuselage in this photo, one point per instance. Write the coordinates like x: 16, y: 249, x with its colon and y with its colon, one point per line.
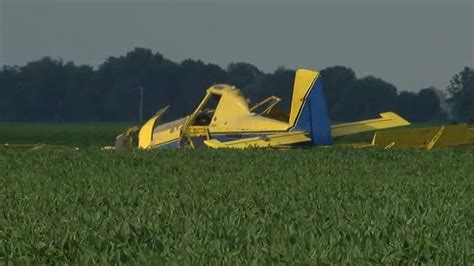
x: 224, y: 119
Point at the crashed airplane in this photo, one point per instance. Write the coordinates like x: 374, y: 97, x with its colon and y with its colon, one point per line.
x: 224, y: 119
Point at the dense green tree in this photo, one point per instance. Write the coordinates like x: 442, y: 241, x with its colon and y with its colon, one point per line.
x: 51, y: 90
x: 423, y: 106
x: 242, y: 75
x: 406, y: 105
x: 77, y: 104
x: 366, y: 98
x: 117, y: 82
x: 9, y: 80
x: 278, y: 83
x: 461, y: 88
x: 337, y: 80
x: 428, y: 106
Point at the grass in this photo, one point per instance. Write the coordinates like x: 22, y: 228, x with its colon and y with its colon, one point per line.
x: 74, y: 135
x: 310, y: 206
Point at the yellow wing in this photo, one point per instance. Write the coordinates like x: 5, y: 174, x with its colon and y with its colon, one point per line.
x: 387, y: 120
x: 425, y: 137
x: 272, y: 140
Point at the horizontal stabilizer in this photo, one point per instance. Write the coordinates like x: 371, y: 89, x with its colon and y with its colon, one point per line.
x: 387, y: 120
x: 273, y: 140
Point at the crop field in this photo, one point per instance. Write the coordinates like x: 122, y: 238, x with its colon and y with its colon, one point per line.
x: 72, y: 135
x: 306, y: 206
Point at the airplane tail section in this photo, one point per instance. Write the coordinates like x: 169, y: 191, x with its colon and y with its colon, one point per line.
x: 308, y: 110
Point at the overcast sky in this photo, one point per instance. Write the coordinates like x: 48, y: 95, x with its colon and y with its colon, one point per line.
x: 412, y: 44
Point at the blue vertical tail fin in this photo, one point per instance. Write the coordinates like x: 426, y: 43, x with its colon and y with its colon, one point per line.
x: 308, y: 110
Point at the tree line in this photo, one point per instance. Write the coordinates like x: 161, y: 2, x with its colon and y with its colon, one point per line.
x: 49, y: 90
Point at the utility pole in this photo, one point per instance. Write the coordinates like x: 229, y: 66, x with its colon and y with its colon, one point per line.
x: 141, y: 103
